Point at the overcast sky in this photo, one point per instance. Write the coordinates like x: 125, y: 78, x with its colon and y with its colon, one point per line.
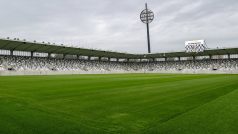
x: 115, y: 24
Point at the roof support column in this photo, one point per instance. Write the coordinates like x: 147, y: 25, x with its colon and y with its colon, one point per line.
x: 89, y: 57
x: 49, y: 55
x: 11, y: 52
x: 179, y: 58
x: 229, y: 56
x: 117, y: 59
x: 32, y: 54
x: 210, y: 57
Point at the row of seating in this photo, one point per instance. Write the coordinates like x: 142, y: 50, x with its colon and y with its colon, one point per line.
x: 19, y: 63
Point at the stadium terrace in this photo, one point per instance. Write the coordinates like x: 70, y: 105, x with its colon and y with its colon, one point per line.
x: 21, y: 57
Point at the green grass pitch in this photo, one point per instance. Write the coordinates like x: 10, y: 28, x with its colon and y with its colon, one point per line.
x: 126, y: 103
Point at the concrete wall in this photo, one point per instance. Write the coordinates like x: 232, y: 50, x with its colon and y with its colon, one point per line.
x: 14, y: 73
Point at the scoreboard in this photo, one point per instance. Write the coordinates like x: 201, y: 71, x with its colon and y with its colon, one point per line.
x: 195, y: 46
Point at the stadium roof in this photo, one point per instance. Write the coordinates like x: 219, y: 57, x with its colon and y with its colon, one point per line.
x: 19, y: 45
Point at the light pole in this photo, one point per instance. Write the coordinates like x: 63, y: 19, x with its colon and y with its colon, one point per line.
x: 147, y: 16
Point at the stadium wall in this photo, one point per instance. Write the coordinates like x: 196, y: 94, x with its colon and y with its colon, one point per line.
x: 16, y: 73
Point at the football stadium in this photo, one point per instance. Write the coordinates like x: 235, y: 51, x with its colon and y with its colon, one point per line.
x: 49, y: 88
x: 177, y: 92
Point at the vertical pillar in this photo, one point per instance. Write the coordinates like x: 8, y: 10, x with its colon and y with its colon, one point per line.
x: 11, y: 52
x: 229, y: 56
x: 210, y: 57
x: 89, y: 57
x: 32, y: 53
x: 49, y: 55
x: 179, y: 58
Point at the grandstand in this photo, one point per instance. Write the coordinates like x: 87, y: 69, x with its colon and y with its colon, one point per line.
x: 21, y: 57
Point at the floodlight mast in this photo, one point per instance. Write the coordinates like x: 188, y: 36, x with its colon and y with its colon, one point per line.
x: 148, y: 29
x: 147, y: 16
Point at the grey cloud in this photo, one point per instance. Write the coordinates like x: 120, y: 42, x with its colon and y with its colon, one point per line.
x: 115, y: 25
